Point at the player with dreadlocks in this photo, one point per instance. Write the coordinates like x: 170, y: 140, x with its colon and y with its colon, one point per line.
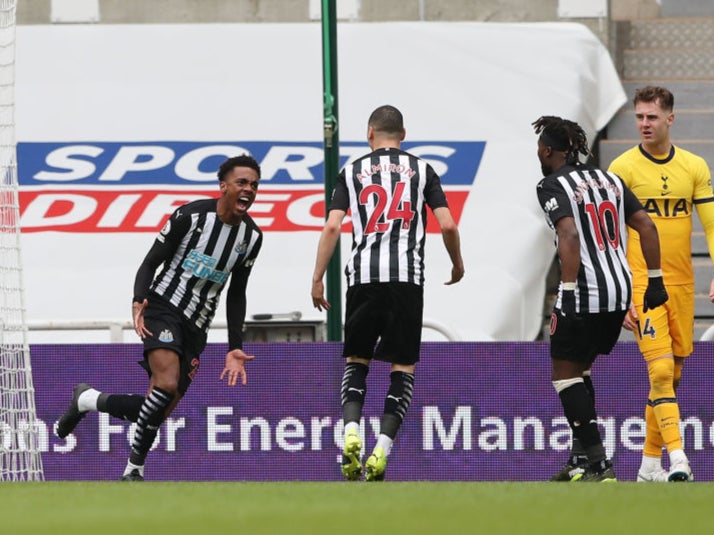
x: 589, y: 210
x: 563, y: 135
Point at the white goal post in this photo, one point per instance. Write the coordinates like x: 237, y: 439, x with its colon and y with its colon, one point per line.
x: 20, y: 458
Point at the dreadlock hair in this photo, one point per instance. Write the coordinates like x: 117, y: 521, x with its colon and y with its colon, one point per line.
x: 563, y: 135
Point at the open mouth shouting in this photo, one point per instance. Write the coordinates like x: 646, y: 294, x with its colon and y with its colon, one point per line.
x: 238, y: 191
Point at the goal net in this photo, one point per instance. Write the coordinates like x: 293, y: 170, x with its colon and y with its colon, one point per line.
x: 19, y: 445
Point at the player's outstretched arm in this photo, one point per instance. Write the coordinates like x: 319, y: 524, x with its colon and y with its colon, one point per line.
x: 325, y: 249
x: 235, y: 367
x: 452, y: 242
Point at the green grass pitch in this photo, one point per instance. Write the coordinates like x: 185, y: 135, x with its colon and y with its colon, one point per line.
x: 104, y: 508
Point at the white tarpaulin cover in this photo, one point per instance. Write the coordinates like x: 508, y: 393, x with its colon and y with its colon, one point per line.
x: 118, y: 125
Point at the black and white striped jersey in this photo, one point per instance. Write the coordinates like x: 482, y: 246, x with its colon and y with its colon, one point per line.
x: 199, y: 252
x: 387, y: 193
x: 600, y: 204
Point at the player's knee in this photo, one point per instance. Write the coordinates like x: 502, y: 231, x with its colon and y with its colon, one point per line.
x: 170, y: 385
x: 153, y: 411
x: 661, y: 375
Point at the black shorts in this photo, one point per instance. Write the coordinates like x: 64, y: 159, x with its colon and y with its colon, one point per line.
x: 584, y: 338
x: 172, y: 331
x: 384, y: 321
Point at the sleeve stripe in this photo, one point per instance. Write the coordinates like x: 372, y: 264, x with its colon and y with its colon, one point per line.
x: 703, y: 201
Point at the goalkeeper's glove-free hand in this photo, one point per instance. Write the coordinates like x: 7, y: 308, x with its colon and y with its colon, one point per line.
x: 655, y: 294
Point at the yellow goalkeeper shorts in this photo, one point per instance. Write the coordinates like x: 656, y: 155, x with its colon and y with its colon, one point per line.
x: 667, y: 329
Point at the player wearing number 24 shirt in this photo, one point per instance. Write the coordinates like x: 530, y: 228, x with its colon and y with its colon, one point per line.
x: 387, y: 193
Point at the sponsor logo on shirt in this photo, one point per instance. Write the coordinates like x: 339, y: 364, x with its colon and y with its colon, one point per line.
x: 668, y: 207
x: 203, y: 266
x: 551, y: 204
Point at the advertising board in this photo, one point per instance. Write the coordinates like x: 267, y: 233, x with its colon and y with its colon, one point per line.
x: 480, y: 412
x: 117, y: 125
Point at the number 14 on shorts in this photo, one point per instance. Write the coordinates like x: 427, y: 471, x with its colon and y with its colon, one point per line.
x: 648, y: 329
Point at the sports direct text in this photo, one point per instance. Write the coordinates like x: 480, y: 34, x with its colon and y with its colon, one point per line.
x: 134, y: 187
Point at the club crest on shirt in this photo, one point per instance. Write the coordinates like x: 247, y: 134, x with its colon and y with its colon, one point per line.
x: 166, y: 336
x: 241, y: 248
x: 665, y: 187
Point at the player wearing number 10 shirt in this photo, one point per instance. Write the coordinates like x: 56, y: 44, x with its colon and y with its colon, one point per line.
x: 589, y: 209
x: 387, y: 193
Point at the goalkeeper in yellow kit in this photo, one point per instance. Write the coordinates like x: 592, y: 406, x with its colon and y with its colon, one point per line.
x: 669, y: 182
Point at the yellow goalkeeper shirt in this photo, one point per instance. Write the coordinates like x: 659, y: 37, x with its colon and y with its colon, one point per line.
x: 668, y: 186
